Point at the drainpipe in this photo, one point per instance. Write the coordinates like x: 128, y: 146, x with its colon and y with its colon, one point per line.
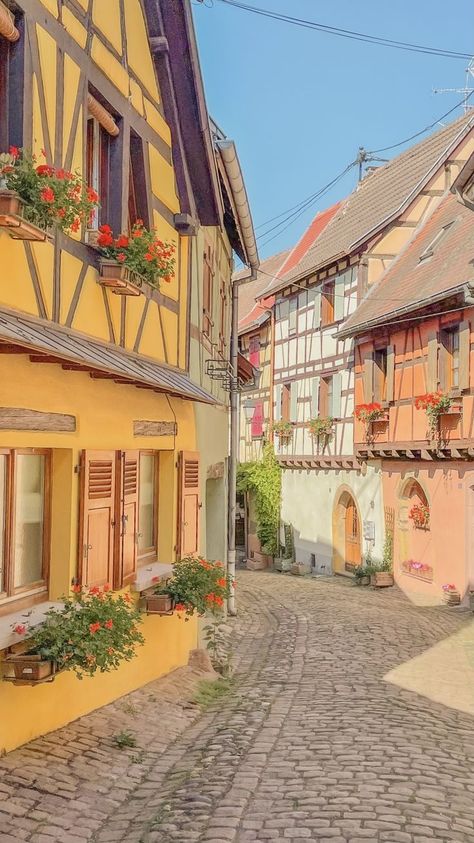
x: 234, y: 435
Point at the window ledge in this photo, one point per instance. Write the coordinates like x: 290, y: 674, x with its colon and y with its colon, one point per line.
x: 150, y: 575
x: 32, y: 617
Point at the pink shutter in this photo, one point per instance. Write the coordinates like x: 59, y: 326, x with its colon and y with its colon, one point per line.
x: 257, y: 420
x: 254, y: 349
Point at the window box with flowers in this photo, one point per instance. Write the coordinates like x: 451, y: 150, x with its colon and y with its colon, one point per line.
x: 195, y: 586
x: 284, y: 431
x: 35, y: 199
x: 418, y: 569
x: 420, y: 515
x: 93, y: 631
x: 129, y: 261
x: 371, y: 415
x: 321, y: 429
x: 435, y: 405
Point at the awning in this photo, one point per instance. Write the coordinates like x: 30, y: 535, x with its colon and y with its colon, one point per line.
x: 48, y: 343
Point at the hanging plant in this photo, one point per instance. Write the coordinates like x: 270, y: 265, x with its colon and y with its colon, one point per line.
x: 47, y: 196
x: 141, y: 252
x: 320, y: 427
x: 263, y: 479
x: 369, y: 412
x: 420, y: 515
x: 196, y: 585
x: 434, y: 404
x: 283, y: 429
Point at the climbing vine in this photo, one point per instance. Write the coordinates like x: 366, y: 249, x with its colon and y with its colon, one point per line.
x: 263, y: 478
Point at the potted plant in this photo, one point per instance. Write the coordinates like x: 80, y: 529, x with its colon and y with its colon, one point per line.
x: 130, y: 260
x: 420, y: 515
x: 35, y: 198
x: 195, y: 586
x: 93, y: 631
x: 321, y: 428
x: 435, y: 404
x: 368, y: 414
x: 451, y: 594
x: 283, y: 430
x: 381, y: 575
x: 362, y: 574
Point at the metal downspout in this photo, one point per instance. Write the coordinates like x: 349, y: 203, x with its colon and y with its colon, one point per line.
x: 234, y: 436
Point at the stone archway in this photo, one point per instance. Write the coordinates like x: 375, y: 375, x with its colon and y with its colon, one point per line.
x: 347, y: 533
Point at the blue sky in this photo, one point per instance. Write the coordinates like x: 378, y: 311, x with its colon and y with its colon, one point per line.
x: 299, y: 103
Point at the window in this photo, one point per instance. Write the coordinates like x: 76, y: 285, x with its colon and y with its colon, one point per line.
x: 327, y: 304
x: 325, y: 397
x: 451, y: 347
x: 429, y: 250
x: 380, y: 374
x: 24, y: 522
x: 12, y: 87
x: 256, y: 427
x: 147, y: 499
x: 285, y: 402
x: 293, y: 316
x: 222, y: 317
x: 208, y: 276
x: 98, y: 168
x: 137, y: 191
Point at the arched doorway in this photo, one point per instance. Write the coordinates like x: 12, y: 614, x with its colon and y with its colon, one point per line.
x: 347, y: 538
x: 414, y: 545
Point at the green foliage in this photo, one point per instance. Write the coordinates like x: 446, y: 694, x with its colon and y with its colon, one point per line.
x: 210, y: 691
x: 289, y: 548
x: 93, y: 631
x: 361, y: 571
x: 217, y: 646
x: 263, y: 478
x: 141, y: 251
x: 124, y: 740
x: 197, y: 585
x: 50, y: 196
x: 321, y: 427
x: 282, y: 429
x: 387, y: 559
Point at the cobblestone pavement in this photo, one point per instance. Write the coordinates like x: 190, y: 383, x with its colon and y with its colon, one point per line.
x: 310, y: 743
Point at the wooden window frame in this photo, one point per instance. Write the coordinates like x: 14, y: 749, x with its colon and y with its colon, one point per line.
x: 446, y: 358
x: 327, y: 304
x: 145, y: 555
x: 98, y: 166
x: 207, y: 290
x: 380, y: 363
x: 12, y: 87
x: 137, y: 184
x: 325, y: 396
x: 28, y: 594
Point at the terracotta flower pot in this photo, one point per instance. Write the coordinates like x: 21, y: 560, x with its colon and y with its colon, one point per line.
x: 159, y: 604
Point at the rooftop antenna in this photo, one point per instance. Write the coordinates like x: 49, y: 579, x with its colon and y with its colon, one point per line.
x: 364, y: 158
x: 466, y: 91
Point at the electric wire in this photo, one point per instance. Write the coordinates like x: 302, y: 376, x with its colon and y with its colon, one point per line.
x: 348, y: 33
x: 426, y: 129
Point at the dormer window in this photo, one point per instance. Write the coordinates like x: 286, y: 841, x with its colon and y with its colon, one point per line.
x: 429, y: 251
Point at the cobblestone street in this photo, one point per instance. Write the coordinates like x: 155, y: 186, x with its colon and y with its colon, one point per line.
x: 310, y: 742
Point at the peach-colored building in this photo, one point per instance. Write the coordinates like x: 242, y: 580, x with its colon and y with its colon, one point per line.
x: 414, y: 336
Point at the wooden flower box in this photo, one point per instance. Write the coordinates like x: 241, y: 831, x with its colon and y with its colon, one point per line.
x: 119, y: 279
x: 381, y: 579
x: 12, y: 221
x: 158, y: 604
x: 452, y: 598
x: 454, y: 410
x: 28, y: 669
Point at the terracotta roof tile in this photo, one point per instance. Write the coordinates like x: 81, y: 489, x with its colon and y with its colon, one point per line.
x: 249, y: 311
x: 413, y: 280
x: 380, y: 195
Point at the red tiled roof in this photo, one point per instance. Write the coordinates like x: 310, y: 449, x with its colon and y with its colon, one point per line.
x: 411, y: 283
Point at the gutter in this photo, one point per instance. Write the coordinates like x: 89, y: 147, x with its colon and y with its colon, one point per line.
x: 233, y: 171
x: 360, y: 328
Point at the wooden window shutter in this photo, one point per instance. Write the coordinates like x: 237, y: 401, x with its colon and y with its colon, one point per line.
x: 257, y: 420
x: 314, y: 397
x: 254, y: 351
x: 339, y: 298
x: 278, y: 400
x: 189, y: 504
x: 335, y: 409
x: 293, y: 316
x: 369, y: 377
x: 432, y: 370
x: 127, y: 525
x: 97, y: 518
x: 390, y: 375
x: 464, y: 355
x: 294, y: 401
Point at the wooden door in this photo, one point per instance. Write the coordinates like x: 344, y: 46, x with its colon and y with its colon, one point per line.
x: 127, y: 532
x: 352, y: 532
x: 189, y: 504
x: 97, y: 518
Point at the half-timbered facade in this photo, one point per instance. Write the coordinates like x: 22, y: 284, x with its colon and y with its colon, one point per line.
x: 333, y: 500
x: 106, y: 398
x: 426, y: 336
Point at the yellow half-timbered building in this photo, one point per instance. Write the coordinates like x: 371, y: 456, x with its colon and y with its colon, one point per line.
x: 113, y: 407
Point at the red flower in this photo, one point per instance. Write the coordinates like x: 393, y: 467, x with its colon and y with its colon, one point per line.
x: 105, y: 239
x: 94, y: 590
x: 107, y: 587
x: 180, y: 607
x: 122, y: 241
x: 222, y: 582
x: 76, y: 589
x: 75, y: 226
x: 105, y: 229
x: 44, y: 170
x: 62, y: 213
x: 121, y: 257
x: 137, y: 232
x: 218, y: 600
x: 108, y: 624
x: 149, y: 257
x: 92, y: 195
x: 14, y: 152
x: 20, y: 628
x: 47, y: 194
x: 139, y: 222
x: 94, y: 627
